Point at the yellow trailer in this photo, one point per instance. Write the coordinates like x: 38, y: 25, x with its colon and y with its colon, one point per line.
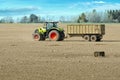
x: 90, y: 32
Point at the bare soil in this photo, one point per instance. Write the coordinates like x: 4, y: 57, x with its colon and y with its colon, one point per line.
x: 22, y: 58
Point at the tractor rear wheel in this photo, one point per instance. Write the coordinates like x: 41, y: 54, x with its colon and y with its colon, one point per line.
x: 62, y: 36
x: 54, y: 35
x: 38, y: 37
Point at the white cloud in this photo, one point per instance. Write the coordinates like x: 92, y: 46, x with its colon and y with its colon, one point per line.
x: 98, y: 2
x: 108, y: 6
x: 28, y: 8
x: 98, y: 5
x: 82, y: 4
x: 74, y: 5
x: 18, y: 11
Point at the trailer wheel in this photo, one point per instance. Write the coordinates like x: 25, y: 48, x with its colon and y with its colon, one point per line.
x: 98, y: 39
x: 87, y: 37
x: 93, y: 38
x: 54, y: 35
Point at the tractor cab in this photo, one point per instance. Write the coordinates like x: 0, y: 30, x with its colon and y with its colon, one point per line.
x: 50, y: 25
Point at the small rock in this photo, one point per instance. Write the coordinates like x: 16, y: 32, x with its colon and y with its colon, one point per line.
x: 66, y: 56
x: 53, y: 50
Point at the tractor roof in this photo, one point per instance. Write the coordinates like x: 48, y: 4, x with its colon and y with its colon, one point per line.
x: 52, y: 22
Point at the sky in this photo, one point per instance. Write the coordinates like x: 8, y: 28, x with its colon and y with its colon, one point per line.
x: 16, y: 8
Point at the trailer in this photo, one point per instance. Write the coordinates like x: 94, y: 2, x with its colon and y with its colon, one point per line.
x: 90, y: 32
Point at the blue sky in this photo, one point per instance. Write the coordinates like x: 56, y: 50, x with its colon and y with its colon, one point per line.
x: 54, y: 7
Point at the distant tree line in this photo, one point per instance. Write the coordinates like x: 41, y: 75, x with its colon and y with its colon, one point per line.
x: 7, y: 20
x: 33, y: 18
x: 108, y: 16
x: 25, y: 19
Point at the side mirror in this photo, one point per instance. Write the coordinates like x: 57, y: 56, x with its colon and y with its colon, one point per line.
x: 44, y: 24
x: 44, y: 27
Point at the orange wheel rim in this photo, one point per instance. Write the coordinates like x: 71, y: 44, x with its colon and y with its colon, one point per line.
x: 53, y: 36
x: 36, y: 37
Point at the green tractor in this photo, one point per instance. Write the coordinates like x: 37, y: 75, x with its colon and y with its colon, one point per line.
x: 51, y: 31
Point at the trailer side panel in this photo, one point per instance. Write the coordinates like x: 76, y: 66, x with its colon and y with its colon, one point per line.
x: 86, y: 29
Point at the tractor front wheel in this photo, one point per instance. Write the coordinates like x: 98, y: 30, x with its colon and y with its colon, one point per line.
x: 54, y: 35
x: 38, y: 37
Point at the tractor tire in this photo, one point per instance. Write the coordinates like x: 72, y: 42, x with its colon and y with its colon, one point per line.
x: 62, y: 36
x: 93, y: 38
x: 38, y: 37
x: 86, y: 37
x: 42, y: 37
x: 54, y: 35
